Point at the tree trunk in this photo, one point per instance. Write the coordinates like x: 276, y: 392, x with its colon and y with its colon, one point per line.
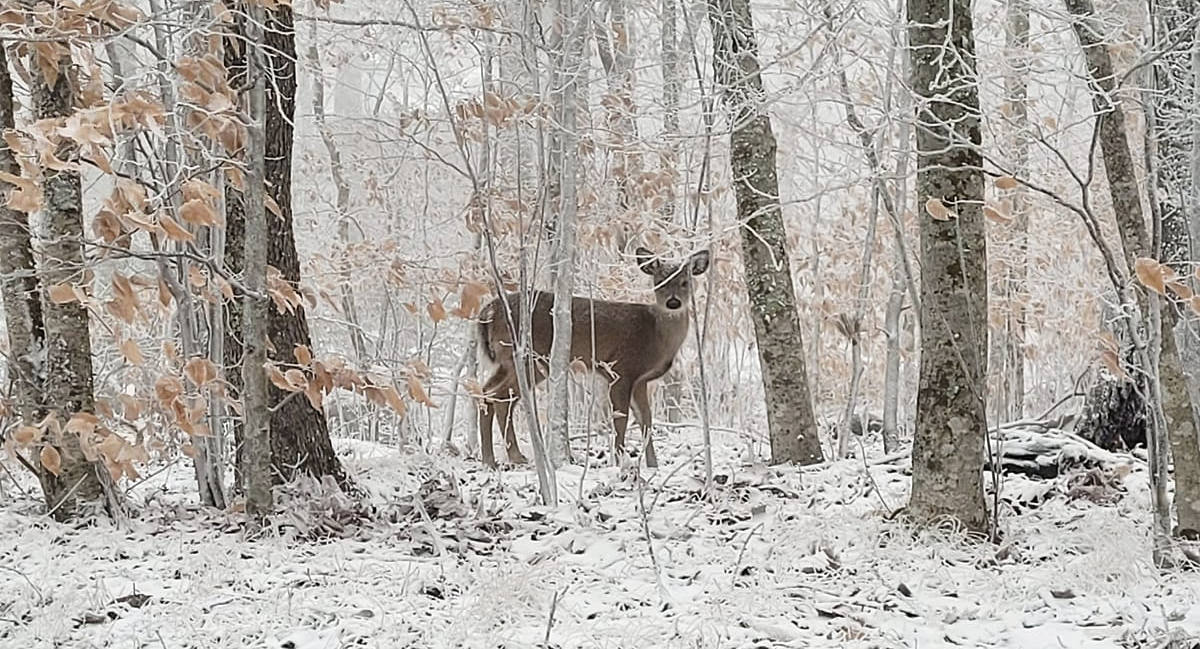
x: 673, y: 383
x: 891, y: 372
x: 777, y: 325
x: 19, y: 284
x: 235, y: 244
x: 1174, y: 111
x: 257, y: 398
x: 1135, y: 241
x: 562, y: 258
x: 68, y: 372
x: 951, y: 411
x: 349, y: 305
x: 1016, y: 88
x: 299, y: 433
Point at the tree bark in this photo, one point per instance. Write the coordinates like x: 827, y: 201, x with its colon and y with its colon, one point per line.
x: 574, y: 16
x: 777, y: 325
x: 951, y: 411
x: 1016, y: 89
x: 1135, y: 242
x: 299, y: 433
x: 68, y: 372
x: 235, y: 244
x: 1174, y: 111
x: 18, y: 282
x: 256, y: 309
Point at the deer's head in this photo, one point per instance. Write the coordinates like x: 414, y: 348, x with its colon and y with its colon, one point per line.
x: 672, y: 283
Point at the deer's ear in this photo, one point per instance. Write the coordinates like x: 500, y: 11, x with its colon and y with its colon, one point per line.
x: 699, y: 262
x: 646, y: 261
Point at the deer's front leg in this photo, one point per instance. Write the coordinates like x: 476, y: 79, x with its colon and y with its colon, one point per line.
x: 486, y: 450
x: 619, y: 395
x: 511, y: 447
x: 641, y: 400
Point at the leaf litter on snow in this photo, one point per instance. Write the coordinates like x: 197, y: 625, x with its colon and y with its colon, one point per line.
x: 440, y: 553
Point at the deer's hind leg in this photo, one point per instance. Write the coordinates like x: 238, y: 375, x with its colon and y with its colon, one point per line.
x: 505, y: 410
x: 495, y: 390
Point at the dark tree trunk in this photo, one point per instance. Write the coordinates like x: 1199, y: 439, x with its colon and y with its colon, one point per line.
x: 18, y: 282
x: 777, y: 325
x: 299, y: 434
x: 951, y: 421
x: 235, y: 237
x: 68, y: 372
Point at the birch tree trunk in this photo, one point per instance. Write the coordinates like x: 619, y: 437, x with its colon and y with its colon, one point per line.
x: 1174, y: 112
x: 777, y: 326
x: 951, y: 421
x: 256, y: 391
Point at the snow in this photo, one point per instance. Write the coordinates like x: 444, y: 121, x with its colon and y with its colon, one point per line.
x: 461, y: 557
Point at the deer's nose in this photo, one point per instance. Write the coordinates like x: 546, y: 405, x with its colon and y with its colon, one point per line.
x: 673, y: 303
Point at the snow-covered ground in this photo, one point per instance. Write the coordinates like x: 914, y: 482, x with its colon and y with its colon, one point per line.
x: 460, y: 557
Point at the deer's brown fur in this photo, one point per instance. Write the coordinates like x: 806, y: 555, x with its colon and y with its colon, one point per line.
x: 630, y: 343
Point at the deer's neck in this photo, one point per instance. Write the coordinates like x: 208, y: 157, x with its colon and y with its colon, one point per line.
x: 672, y: 327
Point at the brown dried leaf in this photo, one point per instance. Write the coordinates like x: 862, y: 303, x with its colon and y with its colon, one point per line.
x: 277, y: 378
x: 171, y: 351
x: 1005, y: 182
x: 132, y: 352
x: 198, y: 212
x: 51, y: 460
x: 316, y: 398
x: 131, y: 407
x: 82, y: 423
x: 173, y: 230
x: 26, y: 435
x: 436, y: 310
x: 392, y: 397
x: 296, y: 379
x: 303, y: 354
x: 417, y: 392
x: 1113, y: 363
x: 996, y: 215
x: 200, y: 371
x: 1150, y: 274
x: 938, y: 210
x: 271, y: 205
x: 469, y: 299
x: 1181, y: 290
x: 62, y: 294
x: 167, y: 390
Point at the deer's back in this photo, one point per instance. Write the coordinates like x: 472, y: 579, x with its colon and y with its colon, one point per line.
x: 626, y: 335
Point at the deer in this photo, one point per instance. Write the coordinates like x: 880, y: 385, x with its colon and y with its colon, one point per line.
x: 631, y: 343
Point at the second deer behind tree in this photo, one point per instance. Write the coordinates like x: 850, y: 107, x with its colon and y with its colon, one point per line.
x: 630, y: 343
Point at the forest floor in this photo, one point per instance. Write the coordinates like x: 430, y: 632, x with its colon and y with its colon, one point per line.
x: 455, y: 556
